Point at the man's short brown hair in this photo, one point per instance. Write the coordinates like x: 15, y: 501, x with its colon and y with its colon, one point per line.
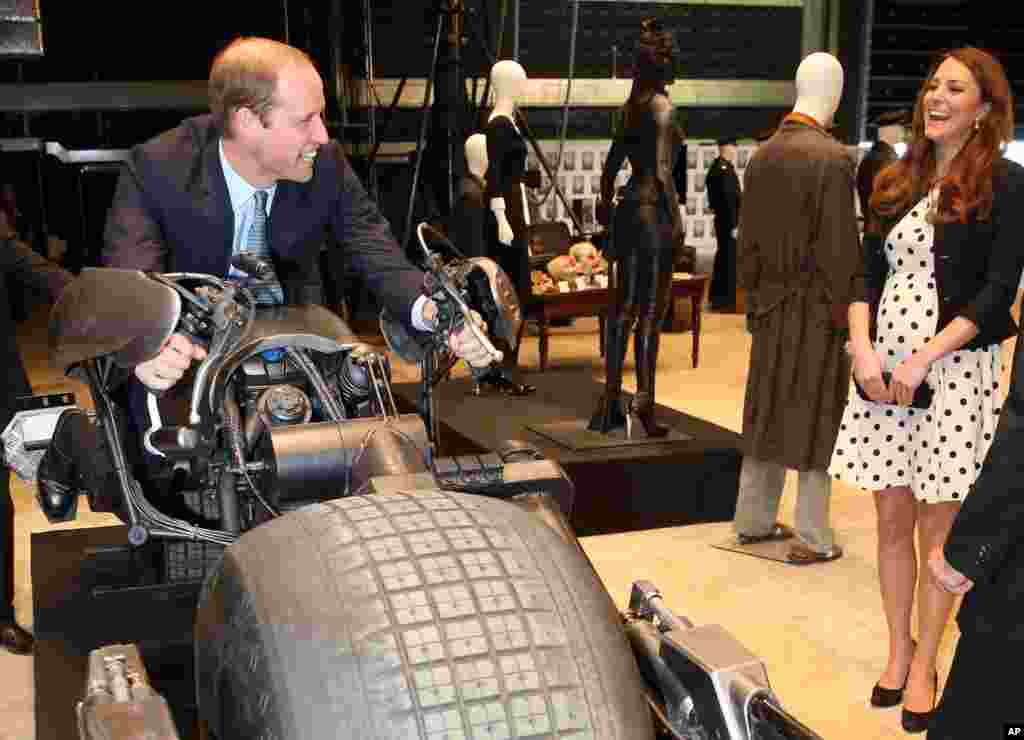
x: 244, y: 75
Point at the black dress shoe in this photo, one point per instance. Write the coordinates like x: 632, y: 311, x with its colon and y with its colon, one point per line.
x: 15, y: 639
x: 914, y: 722
x: 497, y: 380
x: 60, y: 479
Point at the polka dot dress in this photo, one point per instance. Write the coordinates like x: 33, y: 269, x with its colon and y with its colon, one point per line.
x: 936, y: 452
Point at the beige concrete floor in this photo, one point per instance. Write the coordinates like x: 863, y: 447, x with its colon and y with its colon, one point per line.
x: 819, y: 629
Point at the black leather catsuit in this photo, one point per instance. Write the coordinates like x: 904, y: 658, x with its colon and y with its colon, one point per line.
x: 646, y: 228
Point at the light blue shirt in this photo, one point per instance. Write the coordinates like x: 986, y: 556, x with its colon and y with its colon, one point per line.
x: 243, y: 206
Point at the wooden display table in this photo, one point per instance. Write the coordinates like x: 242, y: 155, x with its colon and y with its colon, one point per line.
x: 594, y: 302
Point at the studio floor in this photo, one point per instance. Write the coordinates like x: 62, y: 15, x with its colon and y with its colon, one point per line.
x: 819, y: 629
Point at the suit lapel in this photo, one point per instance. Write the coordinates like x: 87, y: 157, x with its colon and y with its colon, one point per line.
x: 213, y: 201
x: 288, y: 225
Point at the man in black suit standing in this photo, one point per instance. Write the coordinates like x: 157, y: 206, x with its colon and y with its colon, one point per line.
x: 983, y: 559
x: 892, y: 130
x: 35, y: 274
x: 260, y: 168
x: 724, y: 196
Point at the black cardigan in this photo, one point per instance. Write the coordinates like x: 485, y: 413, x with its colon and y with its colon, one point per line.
x: 977, y: 264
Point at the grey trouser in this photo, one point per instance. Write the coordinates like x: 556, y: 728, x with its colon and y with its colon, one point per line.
x: 757, y: 506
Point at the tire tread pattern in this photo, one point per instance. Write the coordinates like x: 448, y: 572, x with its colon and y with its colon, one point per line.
x: 427, y: 614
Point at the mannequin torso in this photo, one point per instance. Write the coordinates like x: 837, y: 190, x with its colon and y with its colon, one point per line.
x: 507, y: 153
x: 652, y: 141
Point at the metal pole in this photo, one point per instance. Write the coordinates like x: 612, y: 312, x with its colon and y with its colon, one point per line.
x: 515, y: 30
x: 423, y: 133
x: 284, y: 13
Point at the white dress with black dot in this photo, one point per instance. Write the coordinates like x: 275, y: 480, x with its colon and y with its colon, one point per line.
x: 936, y: 452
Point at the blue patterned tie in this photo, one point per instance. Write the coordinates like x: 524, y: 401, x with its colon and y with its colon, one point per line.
x: 266, y: 291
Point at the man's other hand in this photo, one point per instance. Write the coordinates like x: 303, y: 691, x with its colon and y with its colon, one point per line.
x: 465, y: 344
x: 167, y: 368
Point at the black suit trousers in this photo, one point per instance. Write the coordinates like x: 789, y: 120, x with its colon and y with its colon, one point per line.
x: 6, y: 548
x: 722, y: 292
x: 982, y: 691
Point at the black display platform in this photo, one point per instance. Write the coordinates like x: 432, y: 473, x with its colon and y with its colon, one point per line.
x: 90, y: 589
x: 627, y: 488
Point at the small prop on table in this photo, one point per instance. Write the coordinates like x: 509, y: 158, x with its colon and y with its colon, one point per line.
x: 580, y: 268
x: 542, y: 283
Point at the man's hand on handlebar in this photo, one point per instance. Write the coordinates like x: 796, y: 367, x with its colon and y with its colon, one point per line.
x: 465, y: 344
x: 167, y: 368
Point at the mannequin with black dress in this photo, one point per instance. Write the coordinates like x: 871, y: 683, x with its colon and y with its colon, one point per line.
x: 506, y: 156
x: 475, y: 232
x: 646, y: 229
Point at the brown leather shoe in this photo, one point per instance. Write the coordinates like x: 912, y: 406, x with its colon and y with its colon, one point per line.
x: 801, y: 554
x: 15, y: 639
x: 779, y: 532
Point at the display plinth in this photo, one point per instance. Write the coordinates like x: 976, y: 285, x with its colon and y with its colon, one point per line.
x: 575, y: 435
x: 660, y: 483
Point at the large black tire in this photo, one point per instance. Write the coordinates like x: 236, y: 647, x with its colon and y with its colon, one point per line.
x: 424, y: 614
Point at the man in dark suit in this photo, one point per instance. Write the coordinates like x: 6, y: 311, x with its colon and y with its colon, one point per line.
x: 892, y: 130
x: 188, y: 199
x: 724, y: 196
x: 983, y: 558
x: 32, y: 273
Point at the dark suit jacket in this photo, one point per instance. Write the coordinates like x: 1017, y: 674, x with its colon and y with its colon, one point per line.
x: 724, y: 193
x: 877, y: 157
x: 172, y: 212
x: 986, y: 542
x: 41, y: 277
x: 977, y: 264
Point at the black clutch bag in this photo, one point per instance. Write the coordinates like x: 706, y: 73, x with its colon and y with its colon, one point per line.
x: 922, y: 396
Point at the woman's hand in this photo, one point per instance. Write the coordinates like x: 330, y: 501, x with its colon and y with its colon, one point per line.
x: 867, y: 372
x: 907, y: 376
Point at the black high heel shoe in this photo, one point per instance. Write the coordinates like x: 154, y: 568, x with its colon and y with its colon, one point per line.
x: 914, y: 722
x: 884, y: 698
x: 641, y: 409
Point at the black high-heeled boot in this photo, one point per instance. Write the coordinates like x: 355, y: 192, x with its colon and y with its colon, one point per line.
x: 645, y: 348
x: 610, y: 413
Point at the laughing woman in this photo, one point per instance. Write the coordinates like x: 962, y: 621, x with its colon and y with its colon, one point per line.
x: 936, y: 288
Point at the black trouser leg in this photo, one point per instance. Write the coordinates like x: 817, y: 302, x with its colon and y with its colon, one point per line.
x: 6, y: 549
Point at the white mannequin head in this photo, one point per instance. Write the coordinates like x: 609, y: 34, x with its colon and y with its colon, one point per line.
x: 476, y: 155
x: 819, y: 86
x: 508, y: 80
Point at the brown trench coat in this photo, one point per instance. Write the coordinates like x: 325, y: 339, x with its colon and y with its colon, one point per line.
x: 798, y: 253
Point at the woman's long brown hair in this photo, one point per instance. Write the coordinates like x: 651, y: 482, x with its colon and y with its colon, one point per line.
x: 966, y: 189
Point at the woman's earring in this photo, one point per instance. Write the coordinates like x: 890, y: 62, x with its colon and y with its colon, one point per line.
x: 977, y: 124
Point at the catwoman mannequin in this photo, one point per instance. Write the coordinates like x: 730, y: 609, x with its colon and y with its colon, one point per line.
x: 645, y: 230
x: 475, y: 236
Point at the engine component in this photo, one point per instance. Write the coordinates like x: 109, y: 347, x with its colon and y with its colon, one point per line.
x: 119, y: 703
x: 328, y: 460
x: 359, y: 372
x: 285, y: 404
x: 259, y: 374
